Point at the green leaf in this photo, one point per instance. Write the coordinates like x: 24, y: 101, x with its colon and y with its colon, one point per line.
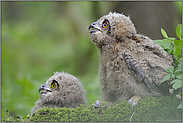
x: 167, y: 45
x: 178, y: 71
x: 179, y: 31
x: 179, y: 76
x: 174, y: 81
x: 180, y: 61
x: 165, y: 78
x: 177, y: 84
x: 173, y: 75
x: 179, y: 106
x: 2, y: 114
x: 158, y: 41
x: 179, y: 68
x: 170, y: 69
x: 163, y: 44
x: 177, y: 49
x: 171, y: 39
x: 164, y: 33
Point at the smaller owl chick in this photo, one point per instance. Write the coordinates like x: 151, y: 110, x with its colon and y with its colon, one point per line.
x: 61, y: 89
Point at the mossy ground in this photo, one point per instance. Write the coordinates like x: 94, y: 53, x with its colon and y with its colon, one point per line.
x: 151, y: 109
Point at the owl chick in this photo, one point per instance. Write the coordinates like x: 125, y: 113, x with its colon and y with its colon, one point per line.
x: 131, y: 64
x: 61, y: 89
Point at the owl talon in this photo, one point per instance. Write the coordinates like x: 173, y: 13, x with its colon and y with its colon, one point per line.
x: 134, y: 100
x: 133, y: 104
x: 130, y: 101
x: 97, y: 105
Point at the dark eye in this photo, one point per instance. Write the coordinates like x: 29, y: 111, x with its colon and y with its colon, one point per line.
x: 105, y: 25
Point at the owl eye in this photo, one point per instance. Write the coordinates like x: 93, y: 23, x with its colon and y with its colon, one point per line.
x: 54, y: 84
x: 105, y: 25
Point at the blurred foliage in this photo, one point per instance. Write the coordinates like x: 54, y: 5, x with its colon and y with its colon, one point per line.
x: 173, y: 47
x: 179, y: 6
x: 39, y: 38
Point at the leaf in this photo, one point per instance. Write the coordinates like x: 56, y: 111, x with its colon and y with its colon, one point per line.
x: 177, y: 49
x: 170, y: 69
x: 167, y: 45
x: 179, y: 76
x: 180, y: 61
x: 164, y: 33
x: 163, y: 44
x: 174, y: 81
x: 177, y: 84
x: 179, y: 106
x: 2, y: 114
x: 158, y: 42
x: 178, y: 71
x: 25, y: 117
x: 165, y: 78
x: 173, y: 75
x: 171, y: 39
x: 179, y: 31
x: 179, y: 68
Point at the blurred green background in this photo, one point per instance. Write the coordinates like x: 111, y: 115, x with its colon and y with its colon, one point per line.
x: 39, y: 38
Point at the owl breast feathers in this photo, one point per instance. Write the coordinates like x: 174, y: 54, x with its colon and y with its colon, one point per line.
x: 130, y: 63
x: 60, y: 90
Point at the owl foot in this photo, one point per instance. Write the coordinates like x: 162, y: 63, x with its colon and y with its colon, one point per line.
x: 97, y: 104
x: 134, y: 100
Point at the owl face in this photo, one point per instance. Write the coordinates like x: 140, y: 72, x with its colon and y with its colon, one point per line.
x: 50, y: 89
x: 101, y: 26
x: 111, y: 27
x: 61, y: 87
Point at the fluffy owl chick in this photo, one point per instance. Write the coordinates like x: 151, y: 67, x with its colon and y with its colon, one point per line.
x: 61, y: 89
x: 131, y: 64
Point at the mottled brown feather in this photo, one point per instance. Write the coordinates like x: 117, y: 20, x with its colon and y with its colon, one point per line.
x: 130, y: 63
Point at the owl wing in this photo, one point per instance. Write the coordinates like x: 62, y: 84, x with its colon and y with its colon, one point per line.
x: 150, y: 67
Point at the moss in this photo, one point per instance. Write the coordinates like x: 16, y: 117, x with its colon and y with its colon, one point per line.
x: 151, y: 109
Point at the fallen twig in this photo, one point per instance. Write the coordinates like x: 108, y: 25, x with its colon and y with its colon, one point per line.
x: 132, y: 115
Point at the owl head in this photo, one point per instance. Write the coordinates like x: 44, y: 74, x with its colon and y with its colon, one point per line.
x: 60, y: 90
x: 111, y: 27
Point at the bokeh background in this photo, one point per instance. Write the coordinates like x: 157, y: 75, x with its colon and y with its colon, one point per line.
x: 39, y: 38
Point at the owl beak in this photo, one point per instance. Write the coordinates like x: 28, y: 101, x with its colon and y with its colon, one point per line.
x: 44, y: 87
x: 94, y: 25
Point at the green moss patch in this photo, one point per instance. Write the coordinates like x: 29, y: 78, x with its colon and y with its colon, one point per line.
x: 152, y: 109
